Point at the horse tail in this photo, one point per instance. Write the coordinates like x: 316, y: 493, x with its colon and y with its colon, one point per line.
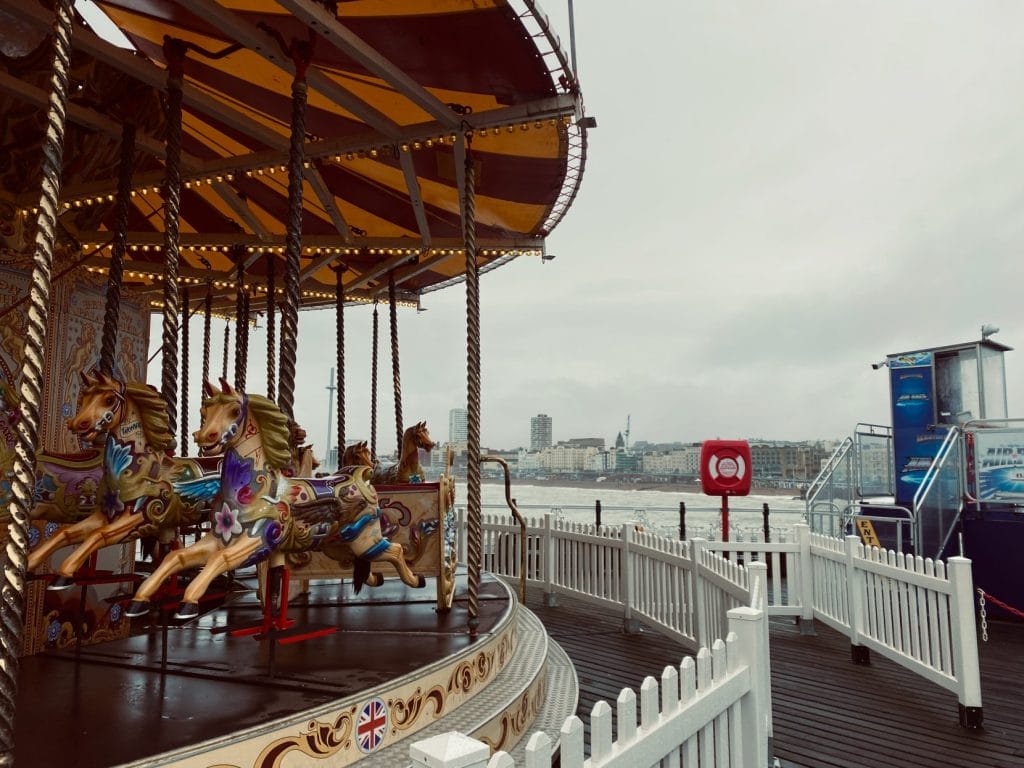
x: 360, y: 573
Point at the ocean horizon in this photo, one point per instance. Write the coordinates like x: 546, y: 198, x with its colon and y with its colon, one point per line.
x: 657, y: 510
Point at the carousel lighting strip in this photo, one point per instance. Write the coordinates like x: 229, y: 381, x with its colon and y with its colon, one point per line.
x: 373, y: 152
x: 311, y: 250
x: 157, y: 277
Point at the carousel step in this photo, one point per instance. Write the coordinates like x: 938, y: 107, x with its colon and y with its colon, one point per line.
x: 536, y: 656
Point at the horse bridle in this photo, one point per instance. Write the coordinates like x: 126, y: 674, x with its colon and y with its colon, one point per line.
x: 107, y: 417
x: 236, y: 425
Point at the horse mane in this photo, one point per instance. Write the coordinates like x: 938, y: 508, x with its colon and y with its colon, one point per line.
x: 152, y: 407
x: 274, y: 429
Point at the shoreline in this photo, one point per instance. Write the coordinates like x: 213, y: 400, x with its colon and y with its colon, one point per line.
x: 619, y: 485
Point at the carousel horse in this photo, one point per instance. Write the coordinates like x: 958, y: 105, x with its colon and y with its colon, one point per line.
x: 408, y: 469
x: 136, y: 496
x: 357, y: 455
x: 138, y: 490
x: 260, y: 513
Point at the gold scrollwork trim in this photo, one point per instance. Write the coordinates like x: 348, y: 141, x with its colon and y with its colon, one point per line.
x: 319, y: 740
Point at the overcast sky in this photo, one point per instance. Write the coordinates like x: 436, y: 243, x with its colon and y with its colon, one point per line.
x: 776, y: 196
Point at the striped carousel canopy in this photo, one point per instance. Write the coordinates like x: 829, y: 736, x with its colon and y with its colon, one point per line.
x: 398, y: 92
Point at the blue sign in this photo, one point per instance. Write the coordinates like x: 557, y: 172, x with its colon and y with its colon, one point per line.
x: 913, y: 410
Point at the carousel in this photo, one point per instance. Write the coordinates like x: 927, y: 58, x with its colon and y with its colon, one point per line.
x: 181, y: 585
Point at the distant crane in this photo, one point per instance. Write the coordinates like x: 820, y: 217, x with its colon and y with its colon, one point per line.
x: 625, y: 435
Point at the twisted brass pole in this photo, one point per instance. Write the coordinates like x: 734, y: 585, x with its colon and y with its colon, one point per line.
x: 339, y: 319
x: 241, y: 320
x: 183, y: 448
x: 174, y: 53
x: 271, y: 329
x: 373, y: 386
x: 301, y: 55
x: 227, y: 343
x: 207, y: 317
x: 395, y: 373
x: 115, y: 278
x: 474, y: 526
x: 14, y: 563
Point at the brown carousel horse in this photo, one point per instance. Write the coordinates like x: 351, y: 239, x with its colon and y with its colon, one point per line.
x: 260, y: 512
x: 408, y: 469
x: 357, y: 455
x: 136, y: 496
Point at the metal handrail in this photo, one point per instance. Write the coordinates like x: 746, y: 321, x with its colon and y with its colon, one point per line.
x: 936, y: 466
x: 819, y: 481
x: 519, y: 519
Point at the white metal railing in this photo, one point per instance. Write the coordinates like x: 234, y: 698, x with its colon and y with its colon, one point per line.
x: 714, y: 710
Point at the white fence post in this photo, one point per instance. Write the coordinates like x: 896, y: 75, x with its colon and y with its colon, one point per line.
x: 629, y: 624
x: 965, y: 640
x: 803, y: 534
x: 860, y: 654
x: 449, y: 750
x: 550, y: 563
x: 700, y: 613
x: 750, y: 628
x: 759, y: 601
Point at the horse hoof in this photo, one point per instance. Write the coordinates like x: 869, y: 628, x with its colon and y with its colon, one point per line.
x: 137, y: 608
x: 59, y: 583
x: 187, y: 611
x: 422, y: 582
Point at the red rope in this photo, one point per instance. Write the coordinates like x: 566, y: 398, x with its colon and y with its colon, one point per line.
x: 1001, y: 604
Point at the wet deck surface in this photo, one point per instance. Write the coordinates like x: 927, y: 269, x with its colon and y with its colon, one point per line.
x: 827, y: 711
x: 117, y: 704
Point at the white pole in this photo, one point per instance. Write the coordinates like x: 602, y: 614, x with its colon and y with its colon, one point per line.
x: 330, y: 405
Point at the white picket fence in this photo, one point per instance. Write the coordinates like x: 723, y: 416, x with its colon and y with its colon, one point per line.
x: 710, y: 712
x: 716, y: 710
x: 681, y: 586
x: 918, y: 613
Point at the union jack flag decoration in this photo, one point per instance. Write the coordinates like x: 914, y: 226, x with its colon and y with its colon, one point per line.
x: 371, y: 725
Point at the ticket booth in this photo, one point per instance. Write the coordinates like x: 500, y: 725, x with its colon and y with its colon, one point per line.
x: 938, y: 386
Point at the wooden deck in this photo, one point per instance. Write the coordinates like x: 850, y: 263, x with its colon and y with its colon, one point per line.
x: 827, y: 711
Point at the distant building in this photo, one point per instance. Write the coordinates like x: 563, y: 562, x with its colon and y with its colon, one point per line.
x: 584, y: 442
x: 540, y: 432
x: 458, y: 429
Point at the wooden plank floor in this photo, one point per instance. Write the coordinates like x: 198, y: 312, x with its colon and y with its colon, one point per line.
x: 827, y: 711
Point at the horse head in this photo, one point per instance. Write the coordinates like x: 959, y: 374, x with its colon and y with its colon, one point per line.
x: 357, y: 455
x: 232, y: 419
x: 419, y: 436
x: 101, y: 406
x: 223, y: 415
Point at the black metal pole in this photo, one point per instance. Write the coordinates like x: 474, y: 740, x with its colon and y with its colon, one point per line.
x: 767, y: 529
x: 597, y: 513
x: 682, y: 521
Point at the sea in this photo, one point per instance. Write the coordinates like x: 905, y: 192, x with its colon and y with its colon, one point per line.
x: 657, y: 511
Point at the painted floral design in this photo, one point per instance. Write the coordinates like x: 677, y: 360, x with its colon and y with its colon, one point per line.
x: 112, y: 505
x: 237, y: 479
x: 225, y: 522
x: 33, y: 537
x: 53, y: 631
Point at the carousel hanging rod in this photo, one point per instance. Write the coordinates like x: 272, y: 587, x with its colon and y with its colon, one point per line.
x: 557, y: 111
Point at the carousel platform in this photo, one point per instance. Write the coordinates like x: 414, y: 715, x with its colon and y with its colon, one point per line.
x: 394, y: 670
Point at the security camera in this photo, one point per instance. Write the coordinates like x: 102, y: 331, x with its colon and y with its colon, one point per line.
x: 876, y: 366
x: 987, y: 330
